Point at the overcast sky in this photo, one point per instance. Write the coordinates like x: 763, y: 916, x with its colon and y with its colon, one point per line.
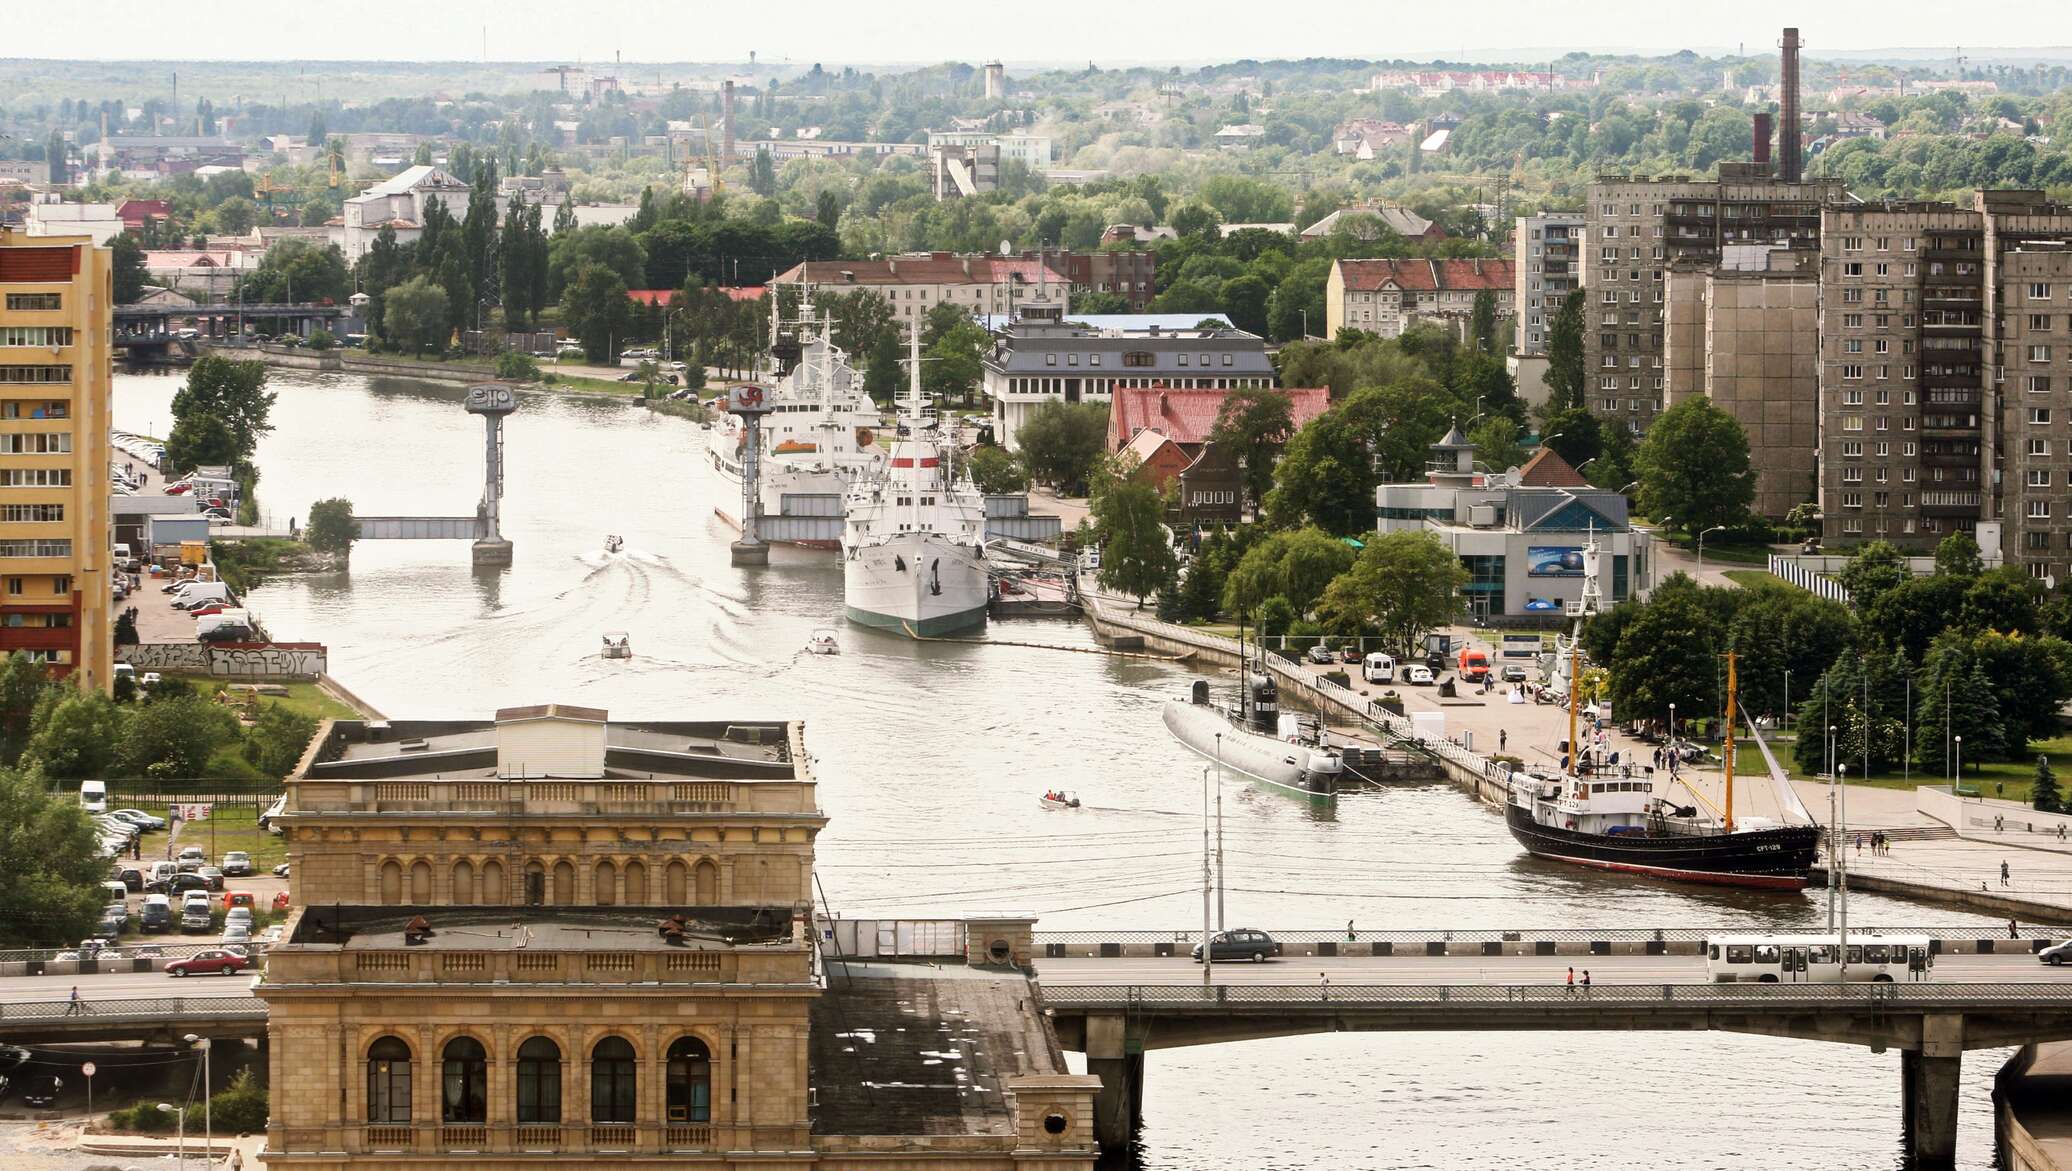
x: 1028, y: 31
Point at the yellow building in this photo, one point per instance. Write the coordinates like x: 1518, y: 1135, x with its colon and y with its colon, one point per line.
x: 552, y: 939
x: 56, y: 314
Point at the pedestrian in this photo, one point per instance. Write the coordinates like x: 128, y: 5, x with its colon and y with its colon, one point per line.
x: 1349, y: 934
x: 237, y: 1160
x: 1323, y: 986
x: 1859, y: 844
x: 1586, y: 981
x: 1503, y: 737
x: 2061, y: 831
x: 2012, y: 932
x: 1571, y: 979
x: 2004, y: 874
x: 72, y: 1002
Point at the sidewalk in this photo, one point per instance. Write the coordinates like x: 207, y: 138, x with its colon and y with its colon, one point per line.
x: 1969, y: 872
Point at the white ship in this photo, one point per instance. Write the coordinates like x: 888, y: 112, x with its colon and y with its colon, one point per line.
x: 913, y: 539
x: 819, y: 437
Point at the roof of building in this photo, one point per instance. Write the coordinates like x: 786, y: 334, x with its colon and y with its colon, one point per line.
x: 1072, y: 350
x: 1145, y: 444
x: 898, y: 1049
x: 151, y: 506
x: 183, y: 258
x: 1366, y: 276
x: 618, y: 929
x: 936, y: 268
x: 1187, y: 415
x: 551, y: 711
x: 409, y: 179
x: 467, y: 749
x: 140, y: 208
x: 1400, y: 220
x: 1546, y: 469
x: 1127, y: 322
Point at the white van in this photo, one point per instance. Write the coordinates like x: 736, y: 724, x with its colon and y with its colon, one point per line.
x: 1378, y: 668
x: 93, y: 796
x: 201, y: 594
x: 124, y: 559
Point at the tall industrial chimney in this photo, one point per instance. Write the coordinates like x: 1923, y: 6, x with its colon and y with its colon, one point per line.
x: 726, y: 123
x: 1762, y: 137
x: 996, y: 80
x: 1788, y: 164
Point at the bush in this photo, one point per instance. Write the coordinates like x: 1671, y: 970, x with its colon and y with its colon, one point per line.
x: 322, y: 340
x: 145, y: 1117
x: 332, y: 528
x: 241, y: 1107
x: 512, y: 366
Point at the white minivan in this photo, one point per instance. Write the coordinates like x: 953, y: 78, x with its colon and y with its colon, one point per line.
x: 1378, y: 668
x: 93, y: 796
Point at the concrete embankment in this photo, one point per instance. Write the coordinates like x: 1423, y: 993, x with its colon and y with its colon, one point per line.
x: 2032, y: 1104
x: 346, y: 362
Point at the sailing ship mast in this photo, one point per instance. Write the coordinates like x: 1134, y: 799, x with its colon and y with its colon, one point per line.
x: 1730, y: 742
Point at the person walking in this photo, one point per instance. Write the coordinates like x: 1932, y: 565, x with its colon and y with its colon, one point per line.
x: 1350, y: 935
x: 1571, y: 979
x: 2004, y: 875
x: 1503, y: 737
x: 1323, y: 986
x: 2012, y: 931
x: 72, y: 1006
x: 1586, y: 981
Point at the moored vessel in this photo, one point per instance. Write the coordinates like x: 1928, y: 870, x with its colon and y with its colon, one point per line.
x: 1254, y: 739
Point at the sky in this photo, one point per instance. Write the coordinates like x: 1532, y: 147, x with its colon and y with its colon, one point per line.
x: 1030, y: 32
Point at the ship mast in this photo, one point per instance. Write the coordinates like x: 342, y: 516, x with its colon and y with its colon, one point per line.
x: 1730, y: 741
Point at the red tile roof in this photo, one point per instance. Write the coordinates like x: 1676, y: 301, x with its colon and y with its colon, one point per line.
x: 1186, y: 415
x: 1546, y: 469
x: 1365, y: 276
x: 661, y: 296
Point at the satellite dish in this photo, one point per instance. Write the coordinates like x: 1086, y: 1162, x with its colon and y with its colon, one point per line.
x: 1007, y: 248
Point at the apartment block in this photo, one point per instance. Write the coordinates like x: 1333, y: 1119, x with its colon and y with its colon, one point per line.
x: 1636, y: 227
x: 1546, y: 267
x: 56, y: 301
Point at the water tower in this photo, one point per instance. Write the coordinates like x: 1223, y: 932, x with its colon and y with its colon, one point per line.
x: 492, y: 401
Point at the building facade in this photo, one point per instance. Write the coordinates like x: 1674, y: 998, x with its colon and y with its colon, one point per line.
x: 56, y: 314
x: 552, y: 939
x: 914, y: 284
x: 1131, y: 273
x: 1546, y: 267
x: 1041, y: 361
x: 1635, y: 227
x: 399, y: 204
x: 1389, y: 296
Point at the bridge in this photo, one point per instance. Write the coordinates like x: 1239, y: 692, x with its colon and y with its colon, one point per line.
x: 153, y: 324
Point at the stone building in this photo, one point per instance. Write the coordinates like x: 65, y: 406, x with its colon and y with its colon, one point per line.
x: 1389, y: 296
x: 551, y: 939
x: 1037, y: 360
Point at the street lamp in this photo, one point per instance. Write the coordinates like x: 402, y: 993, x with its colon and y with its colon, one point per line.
x: 1586, y: 463
x: 180, y: 1147
x: 1672, y: 727
x: 1701, y: 543
x: 1629, y: 487
x: 1787, y: 693
x: 1957, y: 782
x: 208, y: 1129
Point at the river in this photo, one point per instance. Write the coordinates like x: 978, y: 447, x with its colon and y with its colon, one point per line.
x: 930, y: 758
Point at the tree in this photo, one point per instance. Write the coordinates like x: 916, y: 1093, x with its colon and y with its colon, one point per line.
x: 2043, y: 791
x: 997, y: 472
x: 1693, y: 466
x: 1401, y: 585
x: 827, y: 209
x: 1059, y: 442
x: 1298, y: 565
x: 1253, y: 423
x: 1496, y: 442
x: 332, y: 528
x: 198, y: 441
x: 1325, y: 477
x: 598, y: 312
x: 1136, y: 557
x: 956, y: 361
x: 1953, y: 699
x: 299, y: 270
x: 414, y: 315
x: 1875, y: 567
x: 50, y: 865
x: 1957, y: 555
x: 1482, y: 322
x: 172, y: 739
x: 78, y: 736
x: 277, y: 739
x: 126, y: 257
x: 232, y: 391
x: 1565, y: 356
x: 762, y: 173
x: 517, y: 366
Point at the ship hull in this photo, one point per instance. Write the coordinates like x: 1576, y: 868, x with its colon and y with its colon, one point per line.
x: 920, y: 585
x: 1266, y: 760
x: 1765, y: 859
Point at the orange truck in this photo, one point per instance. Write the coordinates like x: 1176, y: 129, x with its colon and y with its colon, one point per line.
x: 1472, y: 664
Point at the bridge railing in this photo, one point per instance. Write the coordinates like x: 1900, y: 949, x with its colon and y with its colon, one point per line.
x: 2035, y: 932
x: 1126, y: 996
x: 165, y: 1008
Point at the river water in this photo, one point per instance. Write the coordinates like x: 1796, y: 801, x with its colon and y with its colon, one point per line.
x: 930, y: 758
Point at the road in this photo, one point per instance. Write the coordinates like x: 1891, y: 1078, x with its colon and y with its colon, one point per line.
x: 1463, y: 970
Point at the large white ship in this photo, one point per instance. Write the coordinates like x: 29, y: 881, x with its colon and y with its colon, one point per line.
x: 913, y: 540
x: 820, y: 436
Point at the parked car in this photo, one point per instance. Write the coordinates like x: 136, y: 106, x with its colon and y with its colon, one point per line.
x: 150, y: 680
x: 1241, y: 944
x: 157, y: 914
x: 1321, y: 654
x: 213, y: 875
x: 238, y: 898
x: 239, y: 934
x: 1418, y: 675
x: 1348, y: 653
x: 1513, y: 673
x: 147, y: 820
x: 281, y: 871
x: 237, y: 862
x: 42, y: 1089
x: 193, y: 853
x: 131, y: 878
x: 280, y: 900
x: 2056, y: 955
x: 195, y: 917
x: 215, y: 962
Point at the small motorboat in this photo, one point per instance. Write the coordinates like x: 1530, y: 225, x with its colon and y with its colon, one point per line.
x: 823, y: 643
x: 1058, y: 800
x: 613, y: 543
x: 617, y: 645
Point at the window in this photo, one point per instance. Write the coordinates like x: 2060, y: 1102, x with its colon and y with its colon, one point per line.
x: 464, y: 1082
x: 388, y: 1081
x: 689, y: 1084
x: 35, y: 335
x: 611, y: 1081
x: 42, y: 548
x: 2038, y: 384
x: 1050, y: 359
x: 2039, y: 416
x: 36, y: 443
x: 2039, y: 323
x: 32, y: 513
x: 2039, y: 353
x: 1852, y: 370
x: 2039, y: 477
x: 35, y: 374
x: 2039, y: 447
x: 2039, y: 510
x: 35, y: 302
x: 1142, y: 358
x: 539, y: 1081
x: 2039, y: 291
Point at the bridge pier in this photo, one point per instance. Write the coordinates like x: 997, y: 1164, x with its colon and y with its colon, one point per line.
x: 1928, y: 1084
x: 1119, y: 1107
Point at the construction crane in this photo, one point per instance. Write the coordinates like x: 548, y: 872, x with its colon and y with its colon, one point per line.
x: 564, y: 71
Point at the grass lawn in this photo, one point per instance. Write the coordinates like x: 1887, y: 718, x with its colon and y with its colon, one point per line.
x: 2000, y: 779
x: 306, y: 698
x: 1756, y: 578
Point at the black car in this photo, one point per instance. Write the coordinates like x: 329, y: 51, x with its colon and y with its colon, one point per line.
x: 42, y: 1089
x: 1241, y: 944
x: 178, y: 884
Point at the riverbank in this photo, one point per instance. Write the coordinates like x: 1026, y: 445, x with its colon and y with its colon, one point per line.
x: 460, y: 373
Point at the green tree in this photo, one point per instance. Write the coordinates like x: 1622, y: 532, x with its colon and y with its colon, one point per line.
x: 1298, y: 565
x: 1668, y: 654
x: 516, y: 366
x: 77, y: 738
x: 762, y: 173
x: 277, y: 739
x: 1565, y: 357
x: 598, y: 312
x: 956, y: 361
x: 299, y: 270
x: 1136, y: 556
x: 50, y: 865
x: 173, y: 739
x: 126, y: 257
x: 1875, y: 567
x: 1253, y: 423
x: 232, y: 391
x: 1496, y: 443
x: 1060, y: 442
x: 997, y: 472
x: 2043, y: 791
x: 332, y: 528
x: 1953, y: 698
x: 1326, y: 476
x: 1482, y: 322
x: 1693, y: 466
x: 198, y: 441
x: 1401, y: 585
x: 24, y: 687
x: 322, y: 339
x: 414, y: 316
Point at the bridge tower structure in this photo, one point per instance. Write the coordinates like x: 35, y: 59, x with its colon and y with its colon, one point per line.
x: 493, y: 401
x: 751, y: 402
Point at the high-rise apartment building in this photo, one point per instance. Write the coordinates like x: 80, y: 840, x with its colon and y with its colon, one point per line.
x: 56, y: 298
x: 1635, y: 228
x: 1547, y: 266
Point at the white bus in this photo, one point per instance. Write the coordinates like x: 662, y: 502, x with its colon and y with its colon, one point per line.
x: 1817, y: 959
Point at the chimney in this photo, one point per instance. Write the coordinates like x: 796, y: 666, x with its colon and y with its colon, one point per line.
x: 1762, y: 137
x: 1788, y: 110
x: 726, y: 122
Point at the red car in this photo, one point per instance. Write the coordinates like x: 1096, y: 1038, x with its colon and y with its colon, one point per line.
x: 177, y: 489
x: 208, y: 963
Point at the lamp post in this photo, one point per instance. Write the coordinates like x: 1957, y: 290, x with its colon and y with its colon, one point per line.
x: 1840, y: 862
x: 1208, y: 941
x: 1957, y: 782
x: 1220, y: 920
x: 1627, y: 488
x: 1672, y: 728
x: 1701, y: 544
x: 180, y: 1145
x: 208, y: 1130
x: 1787, y: 693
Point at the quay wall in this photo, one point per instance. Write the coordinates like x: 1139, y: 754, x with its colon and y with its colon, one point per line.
x: 280, y: 662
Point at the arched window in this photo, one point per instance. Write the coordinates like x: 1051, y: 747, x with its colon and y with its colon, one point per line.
x: 690, y: 1081
x: 464, y: 883
x: 606, y: 891
x: 535, y: 883
x: 494, y: 890
x: 636, y: 884
x: 539, y: 1081
x: 420, y: 882
x: 677, y: 886
x: 464, y: 1082
x: 611, y: 1081
x: 564, y: 884
x: 388, y: 1080
x: 392, y: 881
x: 707, y: 883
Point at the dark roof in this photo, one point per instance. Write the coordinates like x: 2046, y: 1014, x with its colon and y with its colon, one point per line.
x: 908, y: 1050
x: 543, y: 928
x: 551, y: 711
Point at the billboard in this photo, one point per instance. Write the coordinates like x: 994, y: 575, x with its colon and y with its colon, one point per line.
x: 1554, y: 561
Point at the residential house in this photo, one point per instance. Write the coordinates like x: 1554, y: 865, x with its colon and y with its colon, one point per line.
x: 1037, y: 361
x: 1389, y: 296
x: 914, y: 283
x: 398, y: 203
x: 1167, y: 430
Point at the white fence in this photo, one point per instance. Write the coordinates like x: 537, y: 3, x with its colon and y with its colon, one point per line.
x: 1808, y: 573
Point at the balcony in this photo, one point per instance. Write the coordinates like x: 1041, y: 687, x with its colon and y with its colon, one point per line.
x: 1950, y: 503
